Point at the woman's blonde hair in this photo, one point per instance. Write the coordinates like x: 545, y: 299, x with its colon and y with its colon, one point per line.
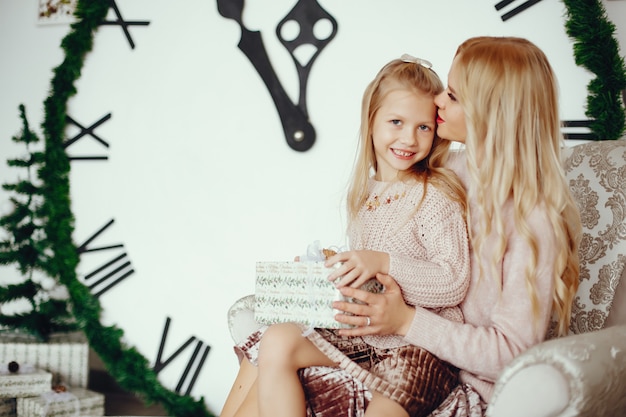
x: 410, y: 76
x: 510, y: 97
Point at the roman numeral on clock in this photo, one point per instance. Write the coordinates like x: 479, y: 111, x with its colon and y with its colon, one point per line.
x: 194, y: 364
x: 84, y: 132
x: 577, y: 130
x: 124, y: 24
x: 108, y: 275
x: 515, y: 11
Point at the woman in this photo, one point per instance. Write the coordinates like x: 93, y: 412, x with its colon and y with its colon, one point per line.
x: 501, y: 102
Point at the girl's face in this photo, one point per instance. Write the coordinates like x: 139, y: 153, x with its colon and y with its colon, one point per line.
x: 450, y: 114
x: 403, y: 130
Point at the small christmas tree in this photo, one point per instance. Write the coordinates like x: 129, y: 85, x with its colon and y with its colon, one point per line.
x: 26, y: 245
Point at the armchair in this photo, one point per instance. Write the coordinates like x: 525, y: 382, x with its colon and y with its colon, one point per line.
x: 584, y: 373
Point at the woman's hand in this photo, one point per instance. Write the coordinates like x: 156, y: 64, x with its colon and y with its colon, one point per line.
x: 383, y: 313
x: 357, y: 266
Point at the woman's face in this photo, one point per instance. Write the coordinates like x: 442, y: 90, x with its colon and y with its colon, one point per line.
x: 450, y: 114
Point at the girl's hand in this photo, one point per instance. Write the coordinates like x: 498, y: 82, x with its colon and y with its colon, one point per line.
x: 358, y: 266
x: 387, y: 311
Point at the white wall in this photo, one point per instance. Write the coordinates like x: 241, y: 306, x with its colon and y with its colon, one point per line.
x: 616, y: 11
x: 199, y: 180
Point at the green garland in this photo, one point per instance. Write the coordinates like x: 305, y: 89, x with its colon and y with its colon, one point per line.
x: 596, y: 49
x: 130, y: 369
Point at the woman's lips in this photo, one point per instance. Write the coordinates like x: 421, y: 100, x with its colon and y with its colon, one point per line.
x: 440, y: 120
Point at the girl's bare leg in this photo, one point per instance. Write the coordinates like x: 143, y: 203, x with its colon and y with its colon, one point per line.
x: 250, y: 405
x: 243, y: 387
x: 283, y: 351
x: 381, y: 406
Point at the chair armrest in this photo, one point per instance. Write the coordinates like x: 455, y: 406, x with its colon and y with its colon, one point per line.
x: 241, y: 321
x: 579, y: 375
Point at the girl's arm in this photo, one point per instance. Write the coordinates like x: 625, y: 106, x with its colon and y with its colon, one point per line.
x: 429, y: 259
x: 357, y: 266
x: 439, y: 275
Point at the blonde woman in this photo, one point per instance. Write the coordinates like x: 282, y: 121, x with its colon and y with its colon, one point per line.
x: 501, y: 102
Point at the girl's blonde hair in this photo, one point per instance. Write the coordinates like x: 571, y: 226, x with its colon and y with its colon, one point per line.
x: 410, y: 76
x: 510, y: 97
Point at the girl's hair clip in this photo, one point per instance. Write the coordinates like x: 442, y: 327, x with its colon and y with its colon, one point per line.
x: 419, y: 61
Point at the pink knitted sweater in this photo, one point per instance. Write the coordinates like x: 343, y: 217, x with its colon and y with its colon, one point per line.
x: 498, y: 324
x: 428, y: 248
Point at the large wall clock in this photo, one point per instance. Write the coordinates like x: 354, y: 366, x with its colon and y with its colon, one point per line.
x: 181, y: 178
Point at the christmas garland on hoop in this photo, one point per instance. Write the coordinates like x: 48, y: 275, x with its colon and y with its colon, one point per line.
x: 130, y: 369
x: 595, y: 48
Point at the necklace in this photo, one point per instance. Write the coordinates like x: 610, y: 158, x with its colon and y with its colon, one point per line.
x: 374, y: 201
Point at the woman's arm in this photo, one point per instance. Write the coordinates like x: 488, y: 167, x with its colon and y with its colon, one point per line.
x: 388, y: 312
x: 499, y: 324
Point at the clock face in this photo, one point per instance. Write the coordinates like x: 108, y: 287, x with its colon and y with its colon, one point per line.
x: 182, y: 177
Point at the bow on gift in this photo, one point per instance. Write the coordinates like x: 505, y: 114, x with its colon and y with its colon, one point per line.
x: 60, y: 394
x: 315, y: 252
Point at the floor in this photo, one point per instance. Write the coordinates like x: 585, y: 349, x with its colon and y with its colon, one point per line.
x: 116, y: 401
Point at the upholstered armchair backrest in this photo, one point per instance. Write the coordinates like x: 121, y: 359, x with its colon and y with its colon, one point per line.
x: 596, y: 173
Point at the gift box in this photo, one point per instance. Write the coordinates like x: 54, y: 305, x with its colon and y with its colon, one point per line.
x: 71, y: 403
x: 64, y: 355
x: 298, y: 292
x: 8, y: 407
x: 26, y: 382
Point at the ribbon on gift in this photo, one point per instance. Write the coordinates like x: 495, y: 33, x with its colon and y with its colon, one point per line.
x: 55, y: 396
x: 314, y: 253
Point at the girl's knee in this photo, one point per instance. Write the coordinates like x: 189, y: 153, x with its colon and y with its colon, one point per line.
x: 282, y: 335
x: 279, y: 343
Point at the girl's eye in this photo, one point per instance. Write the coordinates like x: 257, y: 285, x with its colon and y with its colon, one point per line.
x: 424, y: 128
x: 396, y: 122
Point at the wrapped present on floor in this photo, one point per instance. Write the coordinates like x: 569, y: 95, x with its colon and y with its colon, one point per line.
x: 8, y: 407
x: 23, y: 380
x: 62, y: 403
x: 64, y: 355
x: 297, y: 292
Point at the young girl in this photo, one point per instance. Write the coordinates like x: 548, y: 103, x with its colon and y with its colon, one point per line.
x: 502, y: 103
x: 406, y: 220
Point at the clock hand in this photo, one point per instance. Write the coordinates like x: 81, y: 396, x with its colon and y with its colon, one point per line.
x: 518, y: 9
x: 307, y: 14
x: 299, y: 132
